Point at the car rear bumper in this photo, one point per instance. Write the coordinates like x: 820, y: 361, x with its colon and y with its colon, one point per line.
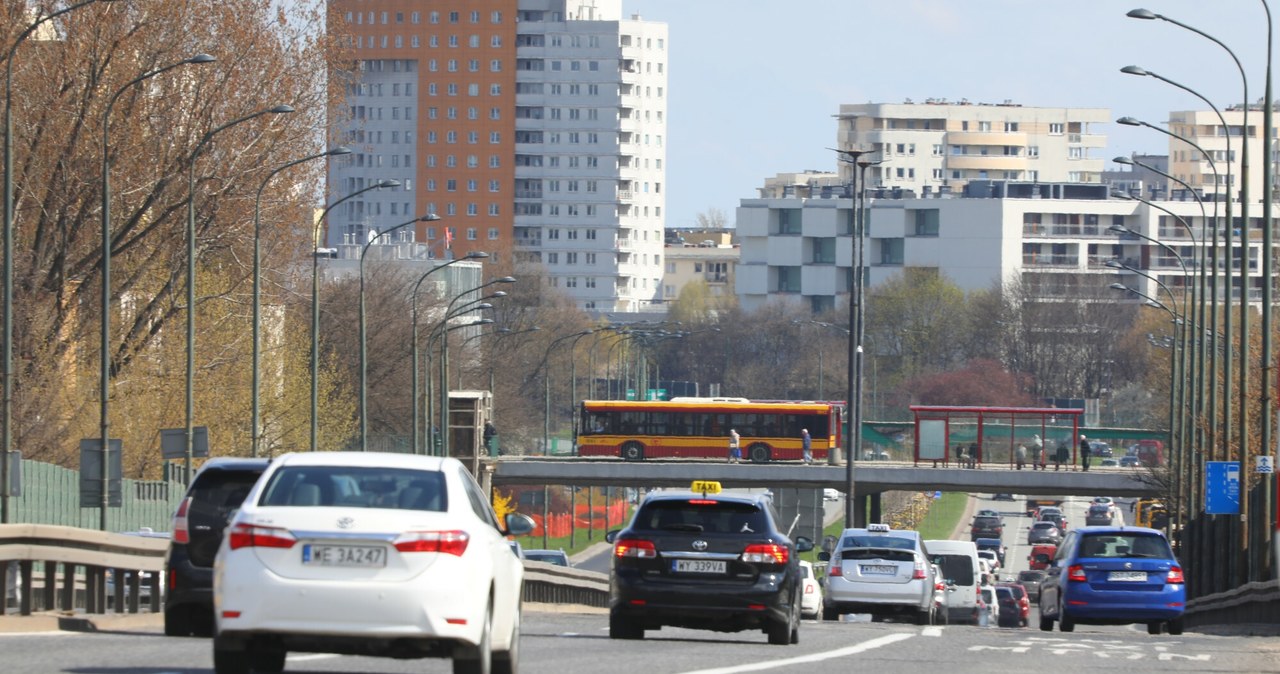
x: 258, y: 601
x: 1124, y: 607
x: 724, y: 607
x: 845, y: 594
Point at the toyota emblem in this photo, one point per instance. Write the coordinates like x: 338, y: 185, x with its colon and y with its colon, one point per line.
x: 345, y: 523
x: 699, y: 545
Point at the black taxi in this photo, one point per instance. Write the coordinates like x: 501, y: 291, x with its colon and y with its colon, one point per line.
x: 708, y: 560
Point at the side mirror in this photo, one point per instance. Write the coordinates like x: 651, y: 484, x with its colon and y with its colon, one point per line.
x: 803, y: 543
x: 518, y: 525
x: 824, y: 556
x: 612, y: 536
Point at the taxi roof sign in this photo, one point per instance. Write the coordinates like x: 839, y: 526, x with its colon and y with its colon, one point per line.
x: 705, y: 487
x: 877, y: 527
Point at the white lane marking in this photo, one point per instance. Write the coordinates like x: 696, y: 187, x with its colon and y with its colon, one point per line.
x: 51, y: 633
x: 931, y: 631
x: 807, y: 659
x: 315, y: 656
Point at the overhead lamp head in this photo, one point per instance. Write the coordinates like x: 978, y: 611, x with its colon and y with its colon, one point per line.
x: 1113, y: 264
x: 1142, y: 14
x: 340, y: 150
x: 388, y: 183
x: 506, y: 279
x: 1120, y: 286
x: 476, y: 255
x: 1129, y: 121
x: 1133, y: 70
x: 482, y: 321
x: 1128, y: 161
x: 281, y: 109
x: 429, y: 217
x: 201, y: 58
x: 1118, y: 229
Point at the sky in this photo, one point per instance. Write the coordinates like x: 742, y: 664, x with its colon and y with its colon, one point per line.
x: 754, y: 84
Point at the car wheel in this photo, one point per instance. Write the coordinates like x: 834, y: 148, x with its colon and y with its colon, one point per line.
x: 267, y: 661
x: 1155, y: 627
x: 632, y: 451
x: 477, y: 659
x: 1046, y: 624
x: 229, y: 658
x: 779, y: 632
x: 829, y: 613
x: 924, y: 616
x: 621, y: 628
x: 759, y: 453
x: 508, y: 661
x: 1175, y: 626
x: 1065, y: 624
x: 177, y: 623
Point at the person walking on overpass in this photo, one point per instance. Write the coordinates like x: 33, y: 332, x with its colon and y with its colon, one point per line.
x: 1062, y: 455
x: 1086, y: 452
x: 735, y: 451
x: 1020, y: 456
x: 806, y: 444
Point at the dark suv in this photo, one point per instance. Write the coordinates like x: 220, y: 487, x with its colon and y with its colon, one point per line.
x: 986, y: 526
x: 216, y: 490
x: 709, y: 561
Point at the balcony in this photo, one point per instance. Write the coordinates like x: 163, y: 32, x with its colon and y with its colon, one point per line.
x: 1046, y: 260
x: 528, y: 194
x: 624, y: 195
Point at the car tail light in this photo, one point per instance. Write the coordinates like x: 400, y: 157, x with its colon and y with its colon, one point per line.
x: 918, y: 573
x: 1175, y: 575
x: 809, y: 589
x: 766, y: 553
x: 181, y: 534
x: 635, y: 547
x: 1075, y: 573
x: 444, y: 542
x: 939, y: 586
x: 835, y: 571
x: 252, y: 536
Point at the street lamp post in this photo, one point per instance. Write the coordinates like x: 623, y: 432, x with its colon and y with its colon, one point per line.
x: 255, y: 416
x: 364, y: 363
x: 315, y: 305
x: 104, y: 374
x: 546, y: 387
x: 444, y: 364
x: 6, y: 445
x: 437, y: 332
x: 191, y: 272
x: 474, y: 255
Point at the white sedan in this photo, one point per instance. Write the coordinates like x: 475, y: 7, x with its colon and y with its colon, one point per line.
x: 367, y: 553
x: 811, y: 598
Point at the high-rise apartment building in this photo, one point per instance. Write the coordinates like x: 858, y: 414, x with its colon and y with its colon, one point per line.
x: 533, y: 126
x: 1210, y: 175
x: 937, y: 146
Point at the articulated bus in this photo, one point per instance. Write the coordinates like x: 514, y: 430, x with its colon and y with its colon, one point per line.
x: 698, y: 428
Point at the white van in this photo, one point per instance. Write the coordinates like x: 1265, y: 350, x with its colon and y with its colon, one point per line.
x: 959, y: 563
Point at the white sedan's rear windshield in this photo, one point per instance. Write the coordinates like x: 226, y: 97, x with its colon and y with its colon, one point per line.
x: 356, y: 487
x: 878, y: 541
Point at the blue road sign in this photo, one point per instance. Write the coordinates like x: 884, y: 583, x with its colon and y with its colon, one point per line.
x: 1222, y: 488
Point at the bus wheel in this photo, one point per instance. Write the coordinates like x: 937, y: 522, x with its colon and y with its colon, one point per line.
x: 632, y: 451
x: 758, y: 453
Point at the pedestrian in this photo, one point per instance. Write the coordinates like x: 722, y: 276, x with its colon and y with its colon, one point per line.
x: 1020, y: 456
x: 1086, y: 452
x: 806, y: 444
x: 975, y: 454
x: 735, y: 452
x: 1060, y: 457
x: 960, y: 455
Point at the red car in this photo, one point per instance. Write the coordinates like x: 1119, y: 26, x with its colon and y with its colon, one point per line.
x: 1015, y: 605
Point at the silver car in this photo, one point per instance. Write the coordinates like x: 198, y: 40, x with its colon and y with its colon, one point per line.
x: 882, y: 572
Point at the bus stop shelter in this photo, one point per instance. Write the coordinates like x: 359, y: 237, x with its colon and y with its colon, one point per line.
x: 936, y: 426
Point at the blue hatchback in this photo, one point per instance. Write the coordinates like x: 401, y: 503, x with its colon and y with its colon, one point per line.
x: 1113, y: 576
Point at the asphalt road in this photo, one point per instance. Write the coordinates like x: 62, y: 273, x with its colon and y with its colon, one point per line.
x: 569, y: 643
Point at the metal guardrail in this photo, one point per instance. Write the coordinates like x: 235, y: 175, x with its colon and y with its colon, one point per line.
x: 552, y: 584
x: 85, y: 556
x: 1251, y: 603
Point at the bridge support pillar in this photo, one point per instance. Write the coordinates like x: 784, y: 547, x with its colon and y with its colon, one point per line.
x: 875, y: 514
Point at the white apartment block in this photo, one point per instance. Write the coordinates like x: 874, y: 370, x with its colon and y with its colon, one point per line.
x: 590, y: 130
x: 938, y: 146
x: 1054, y: 237
x: 1210, y: 175
x: 712, y: 265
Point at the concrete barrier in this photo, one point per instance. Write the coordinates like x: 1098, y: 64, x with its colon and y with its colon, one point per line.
x: 551, y: 584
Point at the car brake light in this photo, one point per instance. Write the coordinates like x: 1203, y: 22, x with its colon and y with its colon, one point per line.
x: 835, y: 571
x: 634, y: 547
x: 444, y: 542
x: 808, y: 589
x: 181, y: 533
x: 702, y: 501
x: 1075, y: 573
x: 766, y: 553
x: 918, y: 573
x: 252, y: 536
x: 1175, y: 575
